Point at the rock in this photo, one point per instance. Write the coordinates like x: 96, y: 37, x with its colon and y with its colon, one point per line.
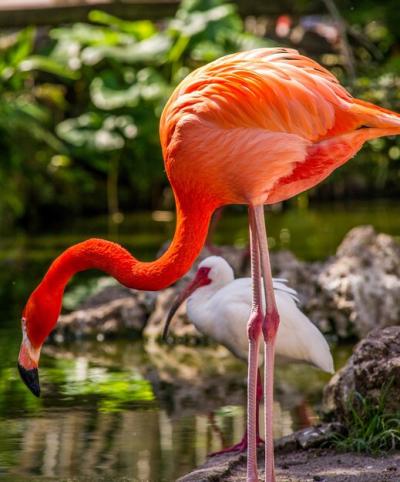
x: 317, y: 436
x: 360, y: 286
x: 232, y: 467
x: 309, y: 437
x: 375, y: 362
x: 106, y: 294
x: 117, y: 317
x: 216, y: 468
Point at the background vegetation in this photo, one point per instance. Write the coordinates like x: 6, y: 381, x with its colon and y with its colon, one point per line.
x: 80, y: 104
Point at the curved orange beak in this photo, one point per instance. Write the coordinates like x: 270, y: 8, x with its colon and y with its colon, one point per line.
x: 28, y: 361
x: 201, y: 279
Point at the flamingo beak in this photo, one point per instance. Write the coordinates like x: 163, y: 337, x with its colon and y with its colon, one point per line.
x: 28, y: 366
x: 201, y: 279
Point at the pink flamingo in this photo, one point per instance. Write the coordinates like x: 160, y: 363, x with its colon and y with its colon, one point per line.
x: 252, y: 128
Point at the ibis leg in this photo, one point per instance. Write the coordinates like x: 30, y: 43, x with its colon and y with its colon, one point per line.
x: 242, y: 445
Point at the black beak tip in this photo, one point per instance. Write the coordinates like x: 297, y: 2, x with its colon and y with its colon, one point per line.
x: 31, y: 379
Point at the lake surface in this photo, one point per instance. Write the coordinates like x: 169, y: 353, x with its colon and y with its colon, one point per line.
x: 129, y: 410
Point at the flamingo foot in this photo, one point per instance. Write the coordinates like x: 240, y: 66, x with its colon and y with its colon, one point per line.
x: 239, y: 448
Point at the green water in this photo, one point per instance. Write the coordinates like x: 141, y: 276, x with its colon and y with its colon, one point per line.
x: 125, y: 410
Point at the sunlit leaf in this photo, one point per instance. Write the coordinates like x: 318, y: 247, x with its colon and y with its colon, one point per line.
x: 46, y: 64
x: 152, y: 50
x: 107, y: 98
x: 94, y: 132
x: 190, y: 24
x: 141, y: 29
x: 86, y: 34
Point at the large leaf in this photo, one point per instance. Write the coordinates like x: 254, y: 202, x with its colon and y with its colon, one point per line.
x: 22, y: 46
x: 46, y: 64
x: 190, y: 24
x: 86, y: 34
x: 109, y: 91
x: 94, y: 132
x: 109, y: 98
x: 20, y: 115
x: 140, y: 29
x: 152, y: 51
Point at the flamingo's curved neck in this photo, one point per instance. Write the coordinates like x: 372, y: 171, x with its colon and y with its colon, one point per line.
x: 193, y: 219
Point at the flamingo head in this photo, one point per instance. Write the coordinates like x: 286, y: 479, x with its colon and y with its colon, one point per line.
x: 212, y: 270
x: 38, y: 319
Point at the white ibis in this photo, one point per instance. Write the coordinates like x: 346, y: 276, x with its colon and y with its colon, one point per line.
x: 219, y: 307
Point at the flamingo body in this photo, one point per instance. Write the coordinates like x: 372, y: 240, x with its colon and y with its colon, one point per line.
x: 221, y: 310
x: 261, y: 126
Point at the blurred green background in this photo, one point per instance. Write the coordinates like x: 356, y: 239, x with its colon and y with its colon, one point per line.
x: 80, y: 103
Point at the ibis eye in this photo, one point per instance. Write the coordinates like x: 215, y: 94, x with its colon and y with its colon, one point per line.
x: 204, y: 271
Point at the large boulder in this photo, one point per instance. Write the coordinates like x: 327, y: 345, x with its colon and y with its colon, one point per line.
x: 360, y: 286
x: 375, y: 364
x: 112, y: 312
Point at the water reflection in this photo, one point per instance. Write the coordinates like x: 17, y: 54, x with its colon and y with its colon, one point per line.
x: 119, y: 410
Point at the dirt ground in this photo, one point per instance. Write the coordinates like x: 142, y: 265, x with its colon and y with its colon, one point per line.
x: 317, y: 465
x: 305, y: 466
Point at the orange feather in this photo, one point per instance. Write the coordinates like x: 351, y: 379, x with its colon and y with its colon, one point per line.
x: 262, y: 126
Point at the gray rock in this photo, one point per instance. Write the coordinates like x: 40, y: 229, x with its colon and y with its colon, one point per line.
x: 216, y: 468
x: 360, y: 286
x: 115, y: 317
x: 375, y: 362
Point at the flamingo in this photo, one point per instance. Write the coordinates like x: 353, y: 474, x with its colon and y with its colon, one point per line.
x: 254, y: 128
x: 219, y: 306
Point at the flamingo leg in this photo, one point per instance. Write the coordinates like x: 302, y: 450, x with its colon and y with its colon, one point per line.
x: 242, y: 445
x: 253, y: 331
x: 269, y: 328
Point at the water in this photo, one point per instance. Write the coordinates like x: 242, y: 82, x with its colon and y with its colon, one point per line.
x: 130, y: 410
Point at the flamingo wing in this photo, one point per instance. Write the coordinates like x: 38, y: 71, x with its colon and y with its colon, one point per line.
x: 274, y: 122
x: 278, y: 90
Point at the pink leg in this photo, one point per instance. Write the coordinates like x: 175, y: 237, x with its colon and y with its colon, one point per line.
x: 269, y: 328
x: 253, y: 331
x: 242, y: 445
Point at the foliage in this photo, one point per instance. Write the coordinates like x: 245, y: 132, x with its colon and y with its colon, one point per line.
x: 26, y: 140
x: 370, y: 427
x: 85, y: 113
x: 79, y: 110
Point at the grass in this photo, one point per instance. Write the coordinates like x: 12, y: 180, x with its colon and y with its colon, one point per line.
x: 370, y: 427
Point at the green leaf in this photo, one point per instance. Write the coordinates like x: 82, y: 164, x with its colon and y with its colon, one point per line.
x: 90, y: 35
x: 95, y: 132
x: 141, y: 29
x: 109, y: 98
x: 152, y: 51
x: 22, y: 47
x: 46, y: 64
x: 190, y: 24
